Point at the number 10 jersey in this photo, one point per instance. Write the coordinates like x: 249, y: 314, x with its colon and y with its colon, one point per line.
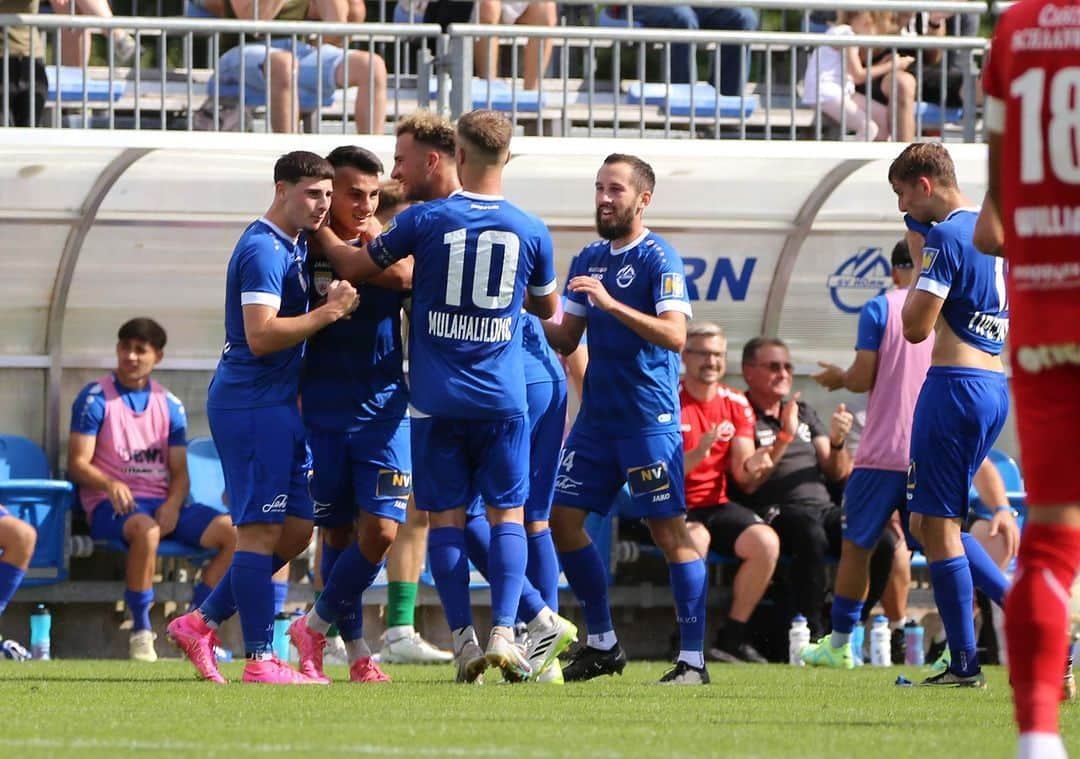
x: 474, y: 257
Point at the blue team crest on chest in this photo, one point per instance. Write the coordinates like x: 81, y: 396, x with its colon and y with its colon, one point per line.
x: 625, y: 276
x: 321, y: 277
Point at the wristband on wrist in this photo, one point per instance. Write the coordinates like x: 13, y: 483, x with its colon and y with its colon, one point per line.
x: 785, y: 437
x: 1015, y: 513
x: 838, y: 446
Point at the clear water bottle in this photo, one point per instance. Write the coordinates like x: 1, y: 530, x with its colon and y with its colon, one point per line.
x: 40, y: 632
x: 914, y: 655
x: 881, y: 642
x: 281, y: 636
x: 798, y: 639
x: 858, y: 639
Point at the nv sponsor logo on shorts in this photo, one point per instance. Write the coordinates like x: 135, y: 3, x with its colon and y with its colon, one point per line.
x: 393, y: 484
x: 276, y: 506
x: 651, y: 478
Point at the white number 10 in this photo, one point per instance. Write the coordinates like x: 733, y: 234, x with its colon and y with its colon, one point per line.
x: 486, y: 243
x: 1062, y: 131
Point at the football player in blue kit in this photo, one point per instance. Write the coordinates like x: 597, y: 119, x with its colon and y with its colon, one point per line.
x: 354, y: 403
x: 476, y: 255
x: 960, y: 295
x: 628, y: 290
x: 255, y: 420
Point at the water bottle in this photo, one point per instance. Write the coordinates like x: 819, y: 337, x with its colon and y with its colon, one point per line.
x: 40, y: 630
x: 281, y: 636
x: 294, y: 655
x: 880, y: 643
x: 798, y: 639
x: 858, y: 638
x: 913, y: 644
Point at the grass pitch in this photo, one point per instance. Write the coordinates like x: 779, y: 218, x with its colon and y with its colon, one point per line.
x: 109, y: 708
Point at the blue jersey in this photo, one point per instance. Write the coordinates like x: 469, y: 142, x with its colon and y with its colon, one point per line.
x: 971, y: 284
x: 474, y: 257
x: 266, y: 268
x: 631, y: 385
x: 352, y: 368
x: 872, y: 320
x: 88, y: 410
x: 541, y: 363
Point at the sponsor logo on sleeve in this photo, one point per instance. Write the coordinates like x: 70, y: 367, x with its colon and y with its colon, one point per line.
x: 672, y: 286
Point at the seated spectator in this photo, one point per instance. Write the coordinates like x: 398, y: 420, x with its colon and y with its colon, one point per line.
x: 17, y: 540
x: 22, y: 106
x: 508, y: 13
x: 76, y: 42
x: 925, y: 24
x: 894, y: 89
x: 127, y: 452
x: 293, y: 68
x: 734, y: 64
x: 834, y: 74
x: 791, y: 495
x: 718, y: 440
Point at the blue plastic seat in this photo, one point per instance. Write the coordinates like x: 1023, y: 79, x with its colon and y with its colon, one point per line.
x: 503, y: 97
x: 27, y: 491
x: 933, y: 114
x: 676, y: 100
x: 67, y: 87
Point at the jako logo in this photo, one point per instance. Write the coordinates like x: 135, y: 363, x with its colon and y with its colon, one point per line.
x: 865, y: 275
x: 277, y: 505
x: 723, y: 272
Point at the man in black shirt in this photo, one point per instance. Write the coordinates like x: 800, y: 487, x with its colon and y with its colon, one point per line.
x: 794, y: 498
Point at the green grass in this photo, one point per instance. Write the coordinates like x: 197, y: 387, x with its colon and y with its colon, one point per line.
x: 103, y: 708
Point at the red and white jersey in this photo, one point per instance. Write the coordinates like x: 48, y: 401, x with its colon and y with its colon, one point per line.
x: 731, y: 414
x: 1032, y: 83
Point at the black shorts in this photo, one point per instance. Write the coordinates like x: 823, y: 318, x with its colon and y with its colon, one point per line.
x: 931, y: 87
x: 725, y: 524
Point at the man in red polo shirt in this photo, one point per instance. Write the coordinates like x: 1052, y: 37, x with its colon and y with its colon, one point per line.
x: 718, y: 440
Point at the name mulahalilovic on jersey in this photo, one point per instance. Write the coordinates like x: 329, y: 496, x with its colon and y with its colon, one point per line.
x: 632, y: 385
x: 972, y: 285
x: 474, y: 257
x: 266, y: 268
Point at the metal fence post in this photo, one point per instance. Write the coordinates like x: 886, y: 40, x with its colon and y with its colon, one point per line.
x: 461, y: 72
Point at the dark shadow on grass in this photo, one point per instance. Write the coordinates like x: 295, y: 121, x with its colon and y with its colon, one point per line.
x: 61, y: 679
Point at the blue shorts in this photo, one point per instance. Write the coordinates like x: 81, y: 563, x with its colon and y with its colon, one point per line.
x: 593, y: 467
x: 465, y: 457
x: 870, y: 498
x: 266, y: 462
x: 368, y: 469
x: 957, y: 419
x: 253, y: 59
x: 547, y: 420
x: 106, y: 524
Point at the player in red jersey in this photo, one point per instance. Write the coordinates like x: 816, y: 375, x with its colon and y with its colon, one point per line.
x: 1032, y: 83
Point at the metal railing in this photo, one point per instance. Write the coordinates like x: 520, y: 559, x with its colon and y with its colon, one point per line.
x: 422, y: 62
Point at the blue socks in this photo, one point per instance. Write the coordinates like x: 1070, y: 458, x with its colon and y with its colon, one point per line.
x: 954, y: 595
x: 10, y: 577
x: 340, y: 600
x: 221, y: 603
x: 985, y: 574
x: 689, y: 586
x: 587, y: 576
x: 449, y: 566
x: 330, y: 556
x: 281, y: 595
x: 543, y: 568
x: 478, y: 546
x: 199, y: 595
x: 506, y: 573
x: 138, y: 603
x: 255, y: 600
x: 846, y: 613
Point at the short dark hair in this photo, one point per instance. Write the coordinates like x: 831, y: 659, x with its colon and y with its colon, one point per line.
x: 355, y: 157
x: 391, y: 193
x: 901, y: 255
x: 429, y: 128
x: 302, y: 164
x: 145, y: 329
x: 923, y: 159
x: 750, y: 350
x: 641, y: 173
x: 487, y: 131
